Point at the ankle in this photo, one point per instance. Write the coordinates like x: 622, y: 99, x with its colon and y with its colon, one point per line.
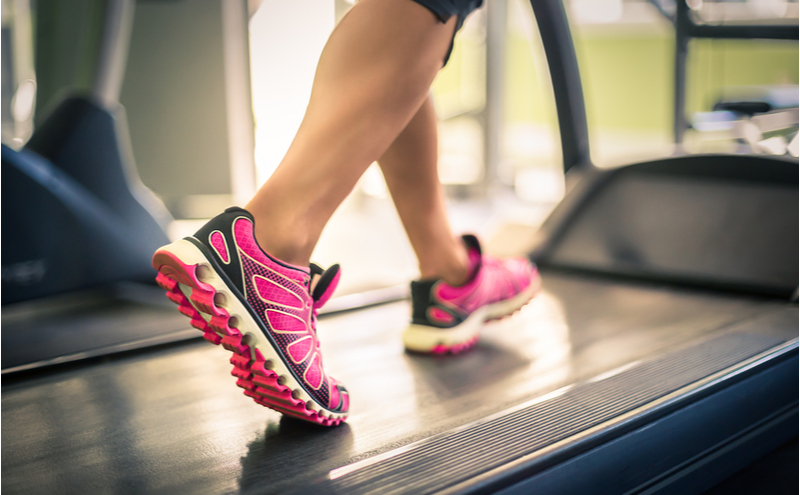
x: 457, y: 277
x: 289, y: 249
x: 285, y: 241
x: 452, y: 268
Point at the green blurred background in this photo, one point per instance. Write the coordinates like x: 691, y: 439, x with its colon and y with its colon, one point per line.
x: 627, y: 75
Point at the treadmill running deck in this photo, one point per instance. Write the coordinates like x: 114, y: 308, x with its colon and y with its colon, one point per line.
x: 172, y: 421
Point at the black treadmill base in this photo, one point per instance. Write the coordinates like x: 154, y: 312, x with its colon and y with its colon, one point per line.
x: 776, y: 473
x: 689, y: 450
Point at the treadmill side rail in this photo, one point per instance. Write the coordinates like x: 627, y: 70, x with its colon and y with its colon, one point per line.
x: 753, y: 378
x: 689, y: 450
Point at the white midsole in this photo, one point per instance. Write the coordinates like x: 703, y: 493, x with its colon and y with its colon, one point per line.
x: 189, y: 254
x: 425, y: 338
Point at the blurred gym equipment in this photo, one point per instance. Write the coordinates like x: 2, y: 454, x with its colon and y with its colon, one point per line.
x: 661, y: 357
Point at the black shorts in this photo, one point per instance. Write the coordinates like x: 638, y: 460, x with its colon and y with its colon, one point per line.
x: 445, y: 9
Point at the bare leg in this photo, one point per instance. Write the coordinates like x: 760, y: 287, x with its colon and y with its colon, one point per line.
x: 410, y: 169
x: 372, y: 77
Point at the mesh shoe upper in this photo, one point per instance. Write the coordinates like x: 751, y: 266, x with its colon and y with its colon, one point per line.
x: 279, y: 297
x: 438, y: 304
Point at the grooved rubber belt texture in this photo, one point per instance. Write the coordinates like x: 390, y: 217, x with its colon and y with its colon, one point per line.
x: 454, y: 457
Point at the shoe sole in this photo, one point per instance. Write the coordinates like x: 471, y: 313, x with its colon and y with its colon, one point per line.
x: 202, y: 295
x: 432, y: 340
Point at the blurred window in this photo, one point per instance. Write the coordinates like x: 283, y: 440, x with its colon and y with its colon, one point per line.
x: 742, y: 96
x: 530, y: 157
x: 626, y: 54
x: 626, y: 51
x: 744, y: 11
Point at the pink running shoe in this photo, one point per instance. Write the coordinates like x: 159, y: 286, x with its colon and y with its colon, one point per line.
x: 259, y: 308
x: 448, y: 319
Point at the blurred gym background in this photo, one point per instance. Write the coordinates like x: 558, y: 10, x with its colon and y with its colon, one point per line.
x: 214, y: 90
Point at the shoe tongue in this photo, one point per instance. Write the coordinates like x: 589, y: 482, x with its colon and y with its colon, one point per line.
x: 326, y: 285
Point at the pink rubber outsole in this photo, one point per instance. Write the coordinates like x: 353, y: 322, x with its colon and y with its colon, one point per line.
x: 259, y: 383
x: 443, y: 349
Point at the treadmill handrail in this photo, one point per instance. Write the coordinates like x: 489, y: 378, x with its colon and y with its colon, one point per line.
x: 565, y: 75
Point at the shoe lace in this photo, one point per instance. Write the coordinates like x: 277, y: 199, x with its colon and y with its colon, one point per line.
x: 325, y: 284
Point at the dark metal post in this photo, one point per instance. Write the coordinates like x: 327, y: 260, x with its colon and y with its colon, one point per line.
x: 681, y: 50
x: 563, y: 64
x: 113, y: 54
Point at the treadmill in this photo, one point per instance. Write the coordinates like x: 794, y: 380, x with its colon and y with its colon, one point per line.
x: 661, y: 357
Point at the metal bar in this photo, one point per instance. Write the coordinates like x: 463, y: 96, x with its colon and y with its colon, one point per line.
x: 496, y: 16
x: 682, y: 23
x: 765, y: 32
x: 238, y: 100
x: 113, y: 55
x: 563, y: 64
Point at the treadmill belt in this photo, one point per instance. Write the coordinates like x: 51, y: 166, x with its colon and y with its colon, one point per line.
x: 172, y: 421
x: 87, y: 324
